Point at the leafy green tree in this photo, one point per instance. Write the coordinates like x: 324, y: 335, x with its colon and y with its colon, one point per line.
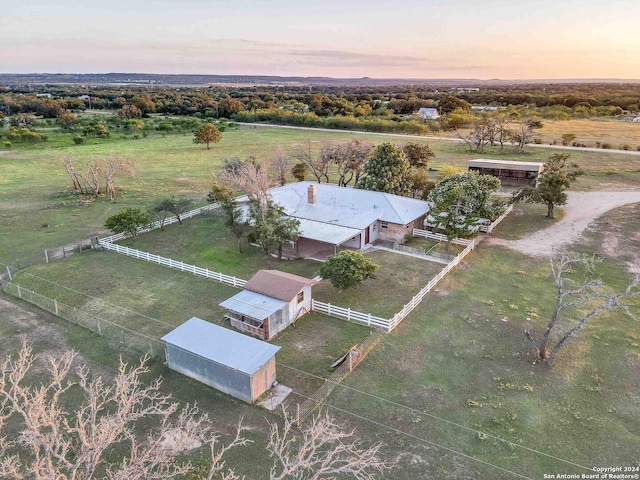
x: 66, y: 119
x: 171, y: 206
x: 387, y: 171
x: 128, y: 221
x: 207, y: 134
x: 348, y: 269
x: 459, y: 201
x: 299, y: 171
x: 222, y: 194
x: 450, y: 103
x: 272, y: 227
x: 558, y: 174
x: 418, y: 154
x: 421, y: 184
x: 567, y: 138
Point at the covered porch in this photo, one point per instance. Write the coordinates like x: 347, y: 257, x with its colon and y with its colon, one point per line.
x: 250, y: 312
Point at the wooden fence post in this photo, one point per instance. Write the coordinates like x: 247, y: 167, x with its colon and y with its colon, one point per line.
x: 46, y: 256
x: 99, y: 327
x: 19, y: 291
x: 55, y: 306
x: 9, y: 272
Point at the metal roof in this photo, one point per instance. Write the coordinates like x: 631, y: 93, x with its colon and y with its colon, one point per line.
x: 507, y: 164
x: 221, y: 345
x: 337, y: 215
x: 253, y: 304
x: 325, y: 232
x: 276, y: 284
x: 343, y: 200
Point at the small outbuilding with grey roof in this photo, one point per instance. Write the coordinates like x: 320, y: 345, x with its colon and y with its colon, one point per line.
x: 236, y: 364
x: 270, y: 302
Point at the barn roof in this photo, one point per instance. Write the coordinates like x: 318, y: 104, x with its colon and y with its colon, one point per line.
x: 221, y: 345
x: 507, y: 164
x: 276, y: 284
x: 252, y: 304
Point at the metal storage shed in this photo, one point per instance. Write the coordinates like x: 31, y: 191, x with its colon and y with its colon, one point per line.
x: 508, y: 171
x: 231, y: 362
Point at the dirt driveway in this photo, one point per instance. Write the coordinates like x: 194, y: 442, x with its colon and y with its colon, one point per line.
x: 581, y: 209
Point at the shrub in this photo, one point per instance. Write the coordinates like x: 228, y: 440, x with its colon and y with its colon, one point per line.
x: 78, y: 140
x: 626, y: 147
x: 605, y: 146
x: 8, y: 145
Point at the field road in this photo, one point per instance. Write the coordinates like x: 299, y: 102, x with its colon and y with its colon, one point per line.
x: 432, y: 137
x: 581, y: 209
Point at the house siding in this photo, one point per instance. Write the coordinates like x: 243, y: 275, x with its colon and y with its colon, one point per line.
x: 396, y: 233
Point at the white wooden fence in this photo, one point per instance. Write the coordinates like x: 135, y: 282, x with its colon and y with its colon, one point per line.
x: 489, y: 228
x: 350, y: 315
x: 440, y: 237
x: 185, y: 267
x: 161, y: 223
x: 415, y: 301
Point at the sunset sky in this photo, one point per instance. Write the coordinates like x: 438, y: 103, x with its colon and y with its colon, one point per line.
x: 508, y: 39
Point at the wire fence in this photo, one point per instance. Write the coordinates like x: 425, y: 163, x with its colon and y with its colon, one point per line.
x: 352, y: 359
x: 112, y: 331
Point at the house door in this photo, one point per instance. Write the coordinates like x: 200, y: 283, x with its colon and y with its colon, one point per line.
x: 366, y: 235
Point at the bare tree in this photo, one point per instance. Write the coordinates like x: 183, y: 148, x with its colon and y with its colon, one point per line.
x: 321, y: 450
x: 67, y: 163
x: 99, y: 436
x: 281, y: 161
x: 350, y: 158
x: 523, y: 134
x: 583, y: 299
x: 318, y: 164
x: 249, y: 176
x: 113, y: 165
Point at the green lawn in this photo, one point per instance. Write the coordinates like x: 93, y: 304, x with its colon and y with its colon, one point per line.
x: 525, y: 219
x: 462, y: 356
x: 206, y: 242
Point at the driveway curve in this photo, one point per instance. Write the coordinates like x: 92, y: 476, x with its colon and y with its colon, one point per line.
x: 581, y: 209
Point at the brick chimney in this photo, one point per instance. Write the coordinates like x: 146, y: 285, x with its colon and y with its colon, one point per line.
x: 311, y: 195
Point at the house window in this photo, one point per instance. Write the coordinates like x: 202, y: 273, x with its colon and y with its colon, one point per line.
x: 383, y: 225
x: 301, y: 296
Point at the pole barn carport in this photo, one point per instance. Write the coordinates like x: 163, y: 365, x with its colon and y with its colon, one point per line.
x: 234, y: 363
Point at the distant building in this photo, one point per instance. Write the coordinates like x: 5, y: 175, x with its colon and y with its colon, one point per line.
x: 270, y: 302
x: 428, y: 113
x: 228, y: 361
x: 509, y: 172
x: 44, y: 95
x: 484, y: 108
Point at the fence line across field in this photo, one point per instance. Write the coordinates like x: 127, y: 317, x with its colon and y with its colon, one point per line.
x: 185, y: 267
x: 105, y: 328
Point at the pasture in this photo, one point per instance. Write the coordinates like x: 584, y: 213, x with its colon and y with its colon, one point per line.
x: 38, y: 210
x: 460, y: 356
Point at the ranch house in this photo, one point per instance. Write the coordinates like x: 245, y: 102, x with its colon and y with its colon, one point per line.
x: 332, y: 216
x: 270, y: 302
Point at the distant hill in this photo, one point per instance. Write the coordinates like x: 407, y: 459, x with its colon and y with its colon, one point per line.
x: 249, y: 80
